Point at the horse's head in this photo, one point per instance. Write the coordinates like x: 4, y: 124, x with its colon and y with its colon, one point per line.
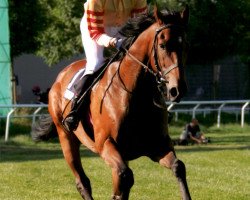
x: 169, y: 48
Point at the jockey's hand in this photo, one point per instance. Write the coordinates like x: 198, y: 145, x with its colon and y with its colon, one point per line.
x: 112, y: 42
x: 118, y: 44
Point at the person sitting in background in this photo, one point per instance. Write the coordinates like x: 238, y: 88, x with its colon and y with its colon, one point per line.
x: 192, y: 133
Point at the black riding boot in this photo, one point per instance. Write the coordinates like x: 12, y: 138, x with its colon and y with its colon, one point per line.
x: 71, y: 121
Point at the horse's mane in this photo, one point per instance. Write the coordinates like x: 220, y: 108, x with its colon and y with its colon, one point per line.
x: 135, y: 26
x: 131, y: 30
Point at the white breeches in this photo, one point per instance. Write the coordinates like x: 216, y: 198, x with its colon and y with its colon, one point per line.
x: 93, y: 51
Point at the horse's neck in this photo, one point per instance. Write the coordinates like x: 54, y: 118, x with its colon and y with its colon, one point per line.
x: 130, y: 68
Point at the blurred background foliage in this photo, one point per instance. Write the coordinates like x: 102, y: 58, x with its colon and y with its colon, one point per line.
x: 50, y: 28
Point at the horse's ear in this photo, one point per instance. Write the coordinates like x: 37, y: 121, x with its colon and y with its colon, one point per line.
x: 157, y: 15
x: 185, y: 15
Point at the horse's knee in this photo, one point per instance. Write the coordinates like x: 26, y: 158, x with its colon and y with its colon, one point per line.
x: 179, y: 169
x: 127, y: 179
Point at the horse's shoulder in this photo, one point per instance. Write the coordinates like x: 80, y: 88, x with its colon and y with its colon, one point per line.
x: 113, y: 67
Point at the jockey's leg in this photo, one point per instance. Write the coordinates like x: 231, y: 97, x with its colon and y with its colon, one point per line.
x: 71, y: 121
x: 93, y: 51
x: 94, y: 55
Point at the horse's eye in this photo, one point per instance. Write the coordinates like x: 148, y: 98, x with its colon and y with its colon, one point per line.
x: 163, y: 45
x: 162, y: 36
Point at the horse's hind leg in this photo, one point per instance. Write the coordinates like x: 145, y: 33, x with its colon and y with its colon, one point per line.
x: 178, y: 167
x: 70, y: 147
x: 122, y: 175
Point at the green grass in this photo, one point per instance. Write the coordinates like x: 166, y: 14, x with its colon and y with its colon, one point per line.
x: 217, y: 171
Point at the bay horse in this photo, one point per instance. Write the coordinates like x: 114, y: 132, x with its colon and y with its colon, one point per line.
x: 124, y: 117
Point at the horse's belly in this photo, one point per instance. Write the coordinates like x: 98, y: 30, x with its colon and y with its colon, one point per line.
x: 142, y: 140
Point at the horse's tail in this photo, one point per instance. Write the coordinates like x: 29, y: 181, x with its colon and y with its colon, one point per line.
x: 44, y: 129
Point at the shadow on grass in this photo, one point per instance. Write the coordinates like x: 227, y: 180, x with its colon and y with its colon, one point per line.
x: 19, y: 153
x: 208, y: 148
x: 218, y: 143
x: 24, y: 149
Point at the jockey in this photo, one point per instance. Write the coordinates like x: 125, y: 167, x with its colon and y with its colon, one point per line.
x: 99, y: 28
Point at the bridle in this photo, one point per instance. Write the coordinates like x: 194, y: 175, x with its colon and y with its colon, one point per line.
x: 160, y: 73
x: 171, y: 67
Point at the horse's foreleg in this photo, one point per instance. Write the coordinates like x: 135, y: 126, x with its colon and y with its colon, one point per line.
x: 70, y: 147
x: 122, y: 175
x: 178, y: 167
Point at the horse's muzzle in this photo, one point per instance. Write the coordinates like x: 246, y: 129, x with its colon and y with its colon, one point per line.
x: 176, y: 93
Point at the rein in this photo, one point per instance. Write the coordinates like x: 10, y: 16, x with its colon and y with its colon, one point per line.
x: 141, y: 63
x: 159, y: 74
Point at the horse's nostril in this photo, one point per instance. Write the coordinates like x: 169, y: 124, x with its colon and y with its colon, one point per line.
x: 174, y: 92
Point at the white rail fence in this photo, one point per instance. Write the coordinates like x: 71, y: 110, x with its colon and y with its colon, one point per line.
x: 206, y: 107
x: 13, y: 108
x: 192, y: 107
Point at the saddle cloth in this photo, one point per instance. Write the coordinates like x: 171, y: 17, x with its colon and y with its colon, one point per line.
x: 69, y: 93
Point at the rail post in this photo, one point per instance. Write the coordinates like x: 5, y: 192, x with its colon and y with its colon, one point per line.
x: 194, y: 109
x: 219, y: 114
x: 243, y: 113
x: 34, y: 115
x: 8, y: 124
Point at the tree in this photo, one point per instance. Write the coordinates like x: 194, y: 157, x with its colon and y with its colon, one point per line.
x: 47, y: 28
x: 50, y: 28
x: 27, y: 21
x: 218, y: 29
x: 61, y: 38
